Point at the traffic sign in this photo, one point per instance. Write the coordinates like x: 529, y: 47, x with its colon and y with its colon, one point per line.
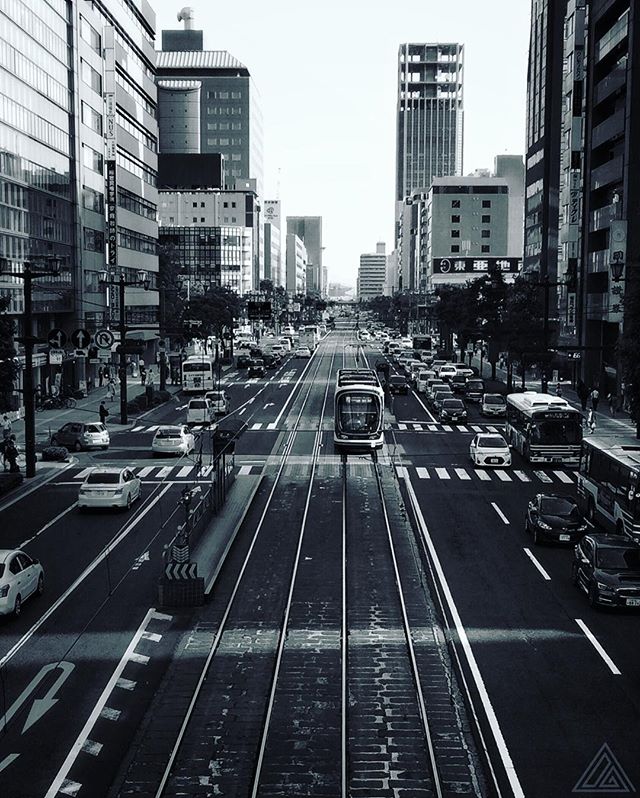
x: 104, y: 339
x: 80, y: 338
x: 56, y: 338
x: 55, y: 357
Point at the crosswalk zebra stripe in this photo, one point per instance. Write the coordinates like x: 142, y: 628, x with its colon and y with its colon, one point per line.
x: 245, y: 470
x: 491, y: 428
x: 462, y: 474
x: 563, y: 476
x: 482, y: 475
x: 542, y: 476
x: 165, y: 471
x: 184, y: 471
x: 205, y: 471
x: 417, y: 426
x: 152, y: 429
x: 522, y: 476
x: 402, y: 426
x: 447, y: 428
x: 443, y: 473
x: 144, y: 472
x: 476, y: 428
x: 82, y: 474
x: 257, y: 426
x: 503, y: 475
x: 137, y: 429
x: 462, y: 428
x: 423, y: 473
x: 402, y: 472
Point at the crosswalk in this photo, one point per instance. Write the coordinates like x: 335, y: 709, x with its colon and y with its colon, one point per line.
x: 172, y: 473
x: 495, y: 475
x: 424, y: 426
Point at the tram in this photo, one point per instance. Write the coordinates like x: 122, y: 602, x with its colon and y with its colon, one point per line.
x: 359, y: 410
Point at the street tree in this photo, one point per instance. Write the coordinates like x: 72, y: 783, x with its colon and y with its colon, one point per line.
x: 172, y: 304
x: 522, y: 335
x: 8, y: 365
x: 628, y: 349
x: 212, y: 312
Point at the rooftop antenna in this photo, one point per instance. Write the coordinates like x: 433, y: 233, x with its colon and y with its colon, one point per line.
x: 278, y: 185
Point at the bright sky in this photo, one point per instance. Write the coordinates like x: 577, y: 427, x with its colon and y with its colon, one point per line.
x: 326, y: 74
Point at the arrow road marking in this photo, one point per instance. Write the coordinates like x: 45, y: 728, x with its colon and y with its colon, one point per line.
x: 40, y: 705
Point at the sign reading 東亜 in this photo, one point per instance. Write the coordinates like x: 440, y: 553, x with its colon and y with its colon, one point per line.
x: 466, y: 265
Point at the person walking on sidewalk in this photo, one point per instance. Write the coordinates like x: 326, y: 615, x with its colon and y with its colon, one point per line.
x: 583, y: 393
x: 591, y: 421
x: 613, y: 403
x: 595, y: 398
x: 559, y: 390
x: 6, y: 428
x: 11, y: 455
x: 100, y: 376
x: 102, y: 410
x: 111, y: 390
x: 143, y: 373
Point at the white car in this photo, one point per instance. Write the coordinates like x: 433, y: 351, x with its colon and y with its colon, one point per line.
x: 220, y: 401
x: 200, y: 411
x: 20, y: 577
x: 489, y: 448
x: 303, y: 351
x: 173, y: 439
x: 109, y: 487
x: 447, y: 372
x: 493, y: 404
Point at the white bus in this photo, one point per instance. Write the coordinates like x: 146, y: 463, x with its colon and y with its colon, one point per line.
x: 609, y: 483
x: 544, y: 428
x: 198, y: 374
x: 359, y: 411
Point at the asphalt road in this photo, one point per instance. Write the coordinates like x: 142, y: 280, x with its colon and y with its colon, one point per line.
x: 80, y: 667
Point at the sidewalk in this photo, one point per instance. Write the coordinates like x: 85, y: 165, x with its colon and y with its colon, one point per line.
x: 605, y: 422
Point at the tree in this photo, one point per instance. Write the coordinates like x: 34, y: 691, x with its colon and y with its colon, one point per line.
x: 521, y: 329
x: 629, y: 347
x: 169, y: 283
x: 213, y: 311
x: 8, y: 365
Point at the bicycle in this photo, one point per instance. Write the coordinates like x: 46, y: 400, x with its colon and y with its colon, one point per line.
x: 56, y: 403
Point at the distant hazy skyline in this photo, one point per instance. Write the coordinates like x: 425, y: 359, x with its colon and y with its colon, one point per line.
x: 326, y: 75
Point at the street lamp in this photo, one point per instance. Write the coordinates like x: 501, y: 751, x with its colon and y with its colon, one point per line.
x: 142, y: 280
x: 28, y: 274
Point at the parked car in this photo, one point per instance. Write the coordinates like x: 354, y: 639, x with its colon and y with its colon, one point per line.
x: 555, y: 518
x: 256, y: 368
x: 439, y: 396
x: 398, y: 384
x: 490, y: 448
x: 243, y: 361
x: 200, y: 411
x: 452, y: 410
x: 109, y: 487
x: 474, y: 390
x: 607, y: 569
x: 173, y: 439
x: 20, y: 577
x: 303, y: 351
x: 493, y: 404
x: 220, y: 401
x: 78, y: 435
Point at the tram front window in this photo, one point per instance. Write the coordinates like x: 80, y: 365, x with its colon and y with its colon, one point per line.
x: 358, y: 414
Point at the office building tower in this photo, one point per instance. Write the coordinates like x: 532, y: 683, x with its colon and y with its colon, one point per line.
x: 208, y: 103
x: 309, y: 230
x: 273, y: 243
x: 372, y: 273
x: 296, y: 260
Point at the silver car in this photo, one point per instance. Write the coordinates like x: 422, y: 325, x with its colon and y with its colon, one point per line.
x: 109, y: 487
x: 78, y: 435
x: 173, y: 439
x: 20, y: 577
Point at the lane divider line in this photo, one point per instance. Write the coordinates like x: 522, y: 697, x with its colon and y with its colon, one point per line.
x: 533, y: 559
x: 594, y: 642
x: 500, y: 513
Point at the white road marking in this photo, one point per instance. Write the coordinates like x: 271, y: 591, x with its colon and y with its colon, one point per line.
x: 492, y: 429
x: 502, y: 475
x: 245, y: 470
x: 447, y: 428
x: 432, y: 427
x: 153, y: 637
x: 184, y: 471
x: 153, y: 429
x: 462, y: 473
x: 542, y: 476
x: 256, y: 426
x: 563, y: 476
x: 110, y: 714
x: 522, y: 476
x: 442, y: 473
x: 402, y: 472
x: 8, y: 760
x: 402, y: 426
x: 91, y: 747
x: 462, y: 428
x: 592, y: 639
x: 244, y: 410
x: 125, y: 684
x: 25, y: 543
x: 137, y: 429
x: 500, y: 513
x: 501, y: 745
x: 475, y: 428
x: 165, y: 471
x: 417, y: 426
x: 69, y: 787
x: 530, y: 555
x: 139, y: 659
x: 272, y: 425
x: 423, y: 473
x: 482, y: 475
x: 205, y: 471
x: 82, y: 474
x: 144, y: 472
x: 61, y: 776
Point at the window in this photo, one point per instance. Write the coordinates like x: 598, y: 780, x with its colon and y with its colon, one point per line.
x: 224, y: 126
x: 92, y: 200
x: 236, y: 156
x: 455, y: 203
x: 486, y: 218
x: 90, y: 76
x: 224, y: 142
x: 486, y: 248
x: 212, y: 125
x: 132, y: 202
x: 202, y: 204
x: 212, y: 142
x: 90, y: 35
x: 130, y: 239
x: 455, y: 247
x: 236, y: 126
x: 455, y: 219
x: 93, y: 240
x: 223, y: 95
x: 91, y: 159
x: 91, y: 118
x: 455, y: 234
x: 486, y: 203
x: 225, y: 204
x: 233, y: 205
x: 486, y: 233
x: 195, y: 219
x: 236, y: 95
x: 195, y: 204
x: 202, y: 218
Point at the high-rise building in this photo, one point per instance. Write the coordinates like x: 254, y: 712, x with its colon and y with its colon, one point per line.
x: 296, y: 259
x: 309, y: 230
x: 429, y: 123
x: 208, y: 103
x: 372, y: 273
x: 273, y: 243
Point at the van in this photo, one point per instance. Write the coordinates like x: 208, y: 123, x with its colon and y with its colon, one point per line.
x: 423, y: 376
x: 474, y: 390
x: 200, y: 411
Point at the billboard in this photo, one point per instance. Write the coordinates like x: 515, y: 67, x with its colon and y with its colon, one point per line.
x: 466, y: 265
x: 271, y: 209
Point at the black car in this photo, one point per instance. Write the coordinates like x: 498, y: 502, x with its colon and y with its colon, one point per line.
x: 243, y: 361
x: 256, y: 367
x: 474, y: 390
x: 554, y: 518
x: 398, y: 384
x: 607, y: 568
x: 226, y: 434
x: 457, y: 383
x: 271, y: 361
x: 452, y: 410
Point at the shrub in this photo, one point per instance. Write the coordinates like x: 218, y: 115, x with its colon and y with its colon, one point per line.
x: 55, y: 453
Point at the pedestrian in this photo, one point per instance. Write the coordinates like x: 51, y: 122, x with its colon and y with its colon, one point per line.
x: 6, y: 428
x: 595, y: 398
x: 149, y: 387
x: 11, y: 455
x: 613, y: 403
x: 100, y: 376
x: 111, y: 390
x: 558, y: 389
x: 591, y: 421
x: 143, y: 373
x: 102, y: 410
x: 583, y: 393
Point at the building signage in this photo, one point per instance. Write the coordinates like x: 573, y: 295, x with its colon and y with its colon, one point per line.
x: 574, y: 197
x: 112, y: 214
x: 272, y: 212
x: 571, y: 310
x: 55, y: 357
x: 578, y: 64
x: 618, y: 241
x: 475, y: 265
x: 110, y: 126
x: 259, y: 311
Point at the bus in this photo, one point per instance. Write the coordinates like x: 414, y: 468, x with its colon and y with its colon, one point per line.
x: 198, y: 374
x: 609, y: 483
x: 544, y: 428
x: 422, y: 344
x: 359, y: 410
